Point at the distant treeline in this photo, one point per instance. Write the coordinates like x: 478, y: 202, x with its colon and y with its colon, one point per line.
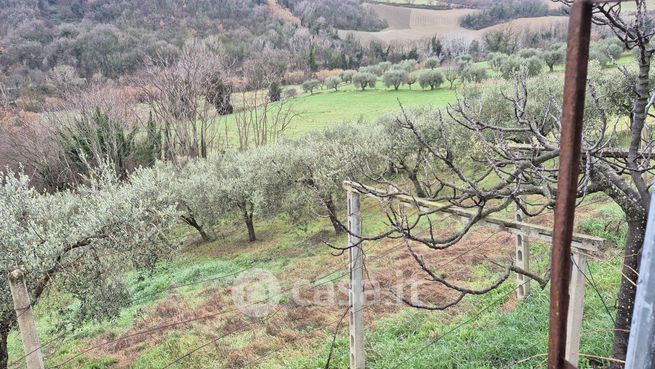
x: 505, y: 11
x: 43, y: 42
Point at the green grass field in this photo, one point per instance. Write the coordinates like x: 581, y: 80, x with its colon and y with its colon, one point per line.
x: 327, y: 106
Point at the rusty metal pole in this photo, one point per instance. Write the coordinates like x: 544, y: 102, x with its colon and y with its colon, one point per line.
x: 570, y: 147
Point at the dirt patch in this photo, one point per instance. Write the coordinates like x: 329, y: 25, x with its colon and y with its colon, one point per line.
x: 319, y: 238
x: 314, y: 313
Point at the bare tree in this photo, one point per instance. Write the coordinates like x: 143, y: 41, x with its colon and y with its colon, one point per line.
x: 178, y: 94
x: 258, y: 120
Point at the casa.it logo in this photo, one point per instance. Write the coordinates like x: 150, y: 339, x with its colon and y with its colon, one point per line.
x: 256, y: 293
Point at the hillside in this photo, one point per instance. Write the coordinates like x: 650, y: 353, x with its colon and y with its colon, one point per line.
x: 304, y: 184
x: 410, y: 24
x: 42, y: 42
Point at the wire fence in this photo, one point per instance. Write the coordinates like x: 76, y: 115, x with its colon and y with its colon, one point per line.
x: 326, y: 278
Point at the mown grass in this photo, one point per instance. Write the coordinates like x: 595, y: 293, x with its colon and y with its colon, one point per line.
x: 326, y: 107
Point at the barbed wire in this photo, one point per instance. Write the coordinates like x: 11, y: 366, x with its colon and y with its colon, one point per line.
x: 376, y: 258
x: 457, y: 327
x: 185, y: 236
x: 389, y: 250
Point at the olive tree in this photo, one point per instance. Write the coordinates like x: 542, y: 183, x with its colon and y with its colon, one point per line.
x: 364, y: 80
x: 432, y: 62
x: 185, y: 185
x: 496, y: 60
x: 408, y: 64
x: 333, y: 82
x: 473, y: 73
x: 395, y: 78
x: 411, y: 79
x: 248, y: 186
x: 317, y: 165
x: 310, y: 86
x: 430, y: 78
x: 514, y: 66
x: 385, y: 66
x: 347, y: 75
x: 451, y: 74
x: 80, y: 241
x: 554, y: 55
x: 372, y: 69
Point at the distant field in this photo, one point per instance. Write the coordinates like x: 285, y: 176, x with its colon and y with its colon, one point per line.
x: 407, y: 24
x: 415, y: 2
x: 327, y: 107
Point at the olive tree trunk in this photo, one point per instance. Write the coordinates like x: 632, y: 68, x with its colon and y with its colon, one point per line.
x: 332, y: 213
x: 193, y: 223
x: 4, y: 354
x: 250, y: 224
x: 628, y: 290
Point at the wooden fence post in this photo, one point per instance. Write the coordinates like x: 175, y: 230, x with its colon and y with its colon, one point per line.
x: 23, y: 308
x: 356, y: 296
x: 522, y: 259
x: 576, y: 307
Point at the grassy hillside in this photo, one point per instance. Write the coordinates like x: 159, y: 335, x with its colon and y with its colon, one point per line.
x: 326, y: 107
x: 183, y: 315
x: 491, y: 331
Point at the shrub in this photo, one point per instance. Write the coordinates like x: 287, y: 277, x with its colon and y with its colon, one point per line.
x: 431, y: 78
x: 274, y: 92
x: 295, y: 78
x: 324, y: 74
